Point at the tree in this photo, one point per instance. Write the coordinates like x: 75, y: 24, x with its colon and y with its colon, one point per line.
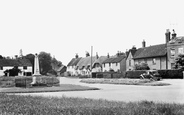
x: 30, y: 57
x: 45, y: 62
x: 12, y: 72
x: 179, y: 62
x: 1, y: 57
x: 142, y: 66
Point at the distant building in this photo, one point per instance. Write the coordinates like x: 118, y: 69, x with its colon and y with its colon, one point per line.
x: 116, y: 64
x: 84, y: 65
x: 72, y: 66
x: 23, y: 64
x: 97, y: 65
x: 175, y: 47
x: 61, y: 70
x: 155, y: 56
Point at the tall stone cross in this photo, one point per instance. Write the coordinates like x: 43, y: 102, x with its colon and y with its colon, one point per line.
x: 36, y: 66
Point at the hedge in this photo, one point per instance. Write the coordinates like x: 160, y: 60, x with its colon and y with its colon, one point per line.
x: 7, y: 81
x: 107, y: 75
x: 40, y: 81
x: 171, y: 74
x: 164, y: 74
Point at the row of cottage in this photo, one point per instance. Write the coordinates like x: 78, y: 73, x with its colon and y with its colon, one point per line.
x: 157, y: 57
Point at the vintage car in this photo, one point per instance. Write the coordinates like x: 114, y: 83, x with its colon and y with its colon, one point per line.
x: 151, y: 74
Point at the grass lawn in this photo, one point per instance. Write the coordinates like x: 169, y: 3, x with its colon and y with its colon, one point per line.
x: 145, y: 82
x: 37, y: 105
x: 62, y: 87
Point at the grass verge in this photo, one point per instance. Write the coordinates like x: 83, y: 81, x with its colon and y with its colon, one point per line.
x: 145, y: 82
x: 62, y: 87
x: 37, y: 105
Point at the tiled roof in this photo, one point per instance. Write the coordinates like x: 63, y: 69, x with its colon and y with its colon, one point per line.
x: 151, y: 51
x: 86, y: 62
x: 114, y: 59
x: 74, y: 62
x: 15, y: 62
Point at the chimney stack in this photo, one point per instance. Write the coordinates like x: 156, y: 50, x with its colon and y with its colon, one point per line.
x: 87, y: 54
x: 173, y: 34
x: 108, y: 55
x: 167, y: 36
x: 97, y: 55
x: 76, y: 56
x: 143, y: 44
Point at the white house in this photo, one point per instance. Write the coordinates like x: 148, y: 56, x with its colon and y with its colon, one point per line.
x: 72, y: 66
x: 97, y: 65
x: 117, y: 64
x: 23, y: 64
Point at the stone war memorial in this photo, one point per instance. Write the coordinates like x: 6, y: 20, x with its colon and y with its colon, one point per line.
x: 36, y: 69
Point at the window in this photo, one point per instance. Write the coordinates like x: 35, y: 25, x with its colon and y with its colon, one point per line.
x: 25, y: 67
x: 109, y: 64
x: 1, y: 68
x: 104, y: 64
x: 129, y: 62
x: 153, y: 61
x: 180, y: 50
x: 116, y: 64
x: 172, y: 52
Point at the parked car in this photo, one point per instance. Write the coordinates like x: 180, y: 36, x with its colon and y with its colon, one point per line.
x: 151, y: 74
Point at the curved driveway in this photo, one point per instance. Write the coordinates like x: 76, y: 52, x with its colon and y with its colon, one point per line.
x: 173, y: 93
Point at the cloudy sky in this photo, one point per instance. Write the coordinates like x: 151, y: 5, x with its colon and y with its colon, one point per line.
x: 66, y: 27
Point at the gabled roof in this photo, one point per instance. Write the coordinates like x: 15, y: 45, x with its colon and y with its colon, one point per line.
x: 151, y: 51
x: 85, y: 62
x: 114, y: 59
x: 15, y: 62
x: 74, y: 62
x: 132, y: 51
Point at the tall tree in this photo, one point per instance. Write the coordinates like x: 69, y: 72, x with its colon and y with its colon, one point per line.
x: 30, y: 57
x: 45, y: 62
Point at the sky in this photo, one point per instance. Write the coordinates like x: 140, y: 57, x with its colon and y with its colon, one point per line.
x: 66, y: 27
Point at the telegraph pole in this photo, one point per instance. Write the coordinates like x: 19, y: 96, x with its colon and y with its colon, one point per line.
x: 91, y: 59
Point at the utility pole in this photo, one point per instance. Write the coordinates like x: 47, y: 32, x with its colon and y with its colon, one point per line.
x: 91, y: 59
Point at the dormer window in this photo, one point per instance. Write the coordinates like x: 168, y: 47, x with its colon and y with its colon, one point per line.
x: 1, y: 68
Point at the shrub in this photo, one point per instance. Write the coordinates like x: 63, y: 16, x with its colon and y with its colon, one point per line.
x: 142, y: 66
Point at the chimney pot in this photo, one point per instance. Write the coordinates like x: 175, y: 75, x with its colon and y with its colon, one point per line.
x: 143, y: 44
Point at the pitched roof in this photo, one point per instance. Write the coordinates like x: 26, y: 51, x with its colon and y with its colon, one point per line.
x: 100, y: 60
x: 85, y: 62
x: 62, y: 69
x: 74, y: 62
x: 15, y: 62
x: 114, y: 59
x: 151, y: 51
